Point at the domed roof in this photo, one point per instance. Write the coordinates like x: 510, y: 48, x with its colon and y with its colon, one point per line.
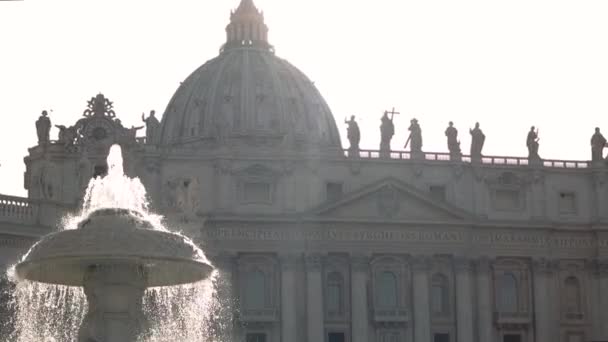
x: 248, y: 94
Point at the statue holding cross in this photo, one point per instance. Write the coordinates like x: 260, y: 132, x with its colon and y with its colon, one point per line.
x: 387, y: 130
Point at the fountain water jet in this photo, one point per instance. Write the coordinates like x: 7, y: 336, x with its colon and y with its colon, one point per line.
x: 116, y: 252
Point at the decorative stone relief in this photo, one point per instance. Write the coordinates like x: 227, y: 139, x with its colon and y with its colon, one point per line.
x: 388, y: 201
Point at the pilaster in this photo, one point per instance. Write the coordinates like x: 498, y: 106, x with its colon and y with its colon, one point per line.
x: 422, y: 317
x: 314, y: 286
x: 544, y: 315
x: 359, y: 319
x: 288, y: 298
x: 484, y: 299
x: 464, y: 299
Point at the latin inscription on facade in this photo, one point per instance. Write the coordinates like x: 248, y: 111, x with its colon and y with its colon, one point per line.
x: 530, y: 240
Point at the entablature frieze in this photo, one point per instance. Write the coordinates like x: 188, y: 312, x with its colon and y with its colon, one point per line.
x: 457, y: 237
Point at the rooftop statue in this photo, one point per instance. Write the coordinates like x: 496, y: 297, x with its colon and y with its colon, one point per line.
x: 598, y: 142
x: 532, y: 143
x: 43, y: 128
x: 477, y: 141
x: 152, y: 127
x: 453, y: 144
x: 415, y: 137
x: 387, y: 130
x: 353, y: 134
x: 67, y: 135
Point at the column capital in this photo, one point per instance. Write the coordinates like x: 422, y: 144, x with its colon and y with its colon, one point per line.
x: 223, y: 260
x: 421, y: 263
x: 289, y: 261
x: 359, y: 262
x: 463, y: 264
x: 544, y: 266
x: 314, y: 261
x: 483, y: 265
x: 601, y: 266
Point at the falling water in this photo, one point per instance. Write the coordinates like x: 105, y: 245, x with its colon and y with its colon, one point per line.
x: 53, y: 313
x: 115, y: 190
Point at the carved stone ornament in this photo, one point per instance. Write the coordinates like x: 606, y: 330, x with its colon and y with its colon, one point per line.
x: 359, y: 263
x: 223, y: 166
x: 355, y: 167
x: 388, y: 201
x: 483, y: 265
x: 421, y: 263
x: 463, y: 264
x: 289, y: 262
x: 544, y: 266
x: 314, y: 262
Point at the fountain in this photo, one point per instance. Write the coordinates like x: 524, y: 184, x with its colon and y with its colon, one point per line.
x: 115, y: 251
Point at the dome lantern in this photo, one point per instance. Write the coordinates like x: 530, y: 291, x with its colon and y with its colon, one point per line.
x: 247, y: 28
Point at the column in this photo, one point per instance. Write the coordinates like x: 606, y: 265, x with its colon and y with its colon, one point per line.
x: 594, y: 302
x: 542, y: 301
x: 226, y: 265
x: 464, y: 300
x: 359, y: 307
x: 422, y: 316
x: 603, y: 284
x: 484, y: 300
x: 314, y: 286
x: 288, y: 299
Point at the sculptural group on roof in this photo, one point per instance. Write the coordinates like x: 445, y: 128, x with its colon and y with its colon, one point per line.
x: 99, y: 124
x: 414, y: 140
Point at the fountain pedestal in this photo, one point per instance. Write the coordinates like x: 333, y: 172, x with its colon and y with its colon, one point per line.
x: 115, y: 296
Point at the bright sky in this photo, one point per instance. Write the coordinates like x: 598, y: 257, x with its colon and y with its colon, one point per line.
x: 507, y: 64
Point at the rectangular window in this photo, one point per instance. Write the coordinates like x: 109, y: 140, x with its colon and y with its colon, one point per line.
x: 336, y: 337
x: 567, y: 203
x: 333, y: 191
x: 441, y: 337
x: 256, y: 337
x: 256, y: 192
x: 511, y: 338
x: 507, y: 200
x: 437, y: 192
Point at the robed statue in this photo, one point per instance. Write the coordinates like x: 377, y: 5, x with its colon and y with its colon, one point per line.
x: 43, y: 128
x: 532, y: 143
x: 598, y: 142
x: 353, y: 134
x: 152, y: 128
x: 387, y: 130
x: 415, y: 137
x: 477, y: 141
x: 453, y: 144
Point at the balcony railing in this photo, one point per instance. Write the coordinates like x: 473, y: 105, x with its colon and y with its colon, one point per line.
x: 25, y: 211
x: 485, y: 160
x: 398, y: 315
x: 17, y: 209
x: 268, y: 315
x: 512, y: 318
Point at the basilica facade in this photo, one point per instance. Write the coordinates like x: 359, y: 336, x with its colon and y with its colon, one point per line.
x: 316, y: 242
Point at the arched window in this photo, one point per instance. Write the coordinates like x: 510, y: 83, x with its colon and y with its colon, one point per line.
x: 255, y: 290
x: 506, y: 293
x: 572, y: 295
x: 335, y: 293
x: 387, y: 290
x: 440, y: 298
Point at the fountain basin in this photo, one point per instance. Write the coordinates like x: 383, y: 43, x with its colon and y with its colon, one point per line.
x: 114, y: 237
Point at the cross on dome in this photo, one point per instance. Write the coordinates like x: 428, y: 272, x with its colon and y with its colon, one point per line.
x: 247, y: 28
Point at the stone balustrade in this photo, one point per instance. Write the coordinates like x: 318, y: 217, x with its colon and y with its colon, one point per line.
x: 485, y: 160
x: 30, y: 212
x: 18, y: 209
